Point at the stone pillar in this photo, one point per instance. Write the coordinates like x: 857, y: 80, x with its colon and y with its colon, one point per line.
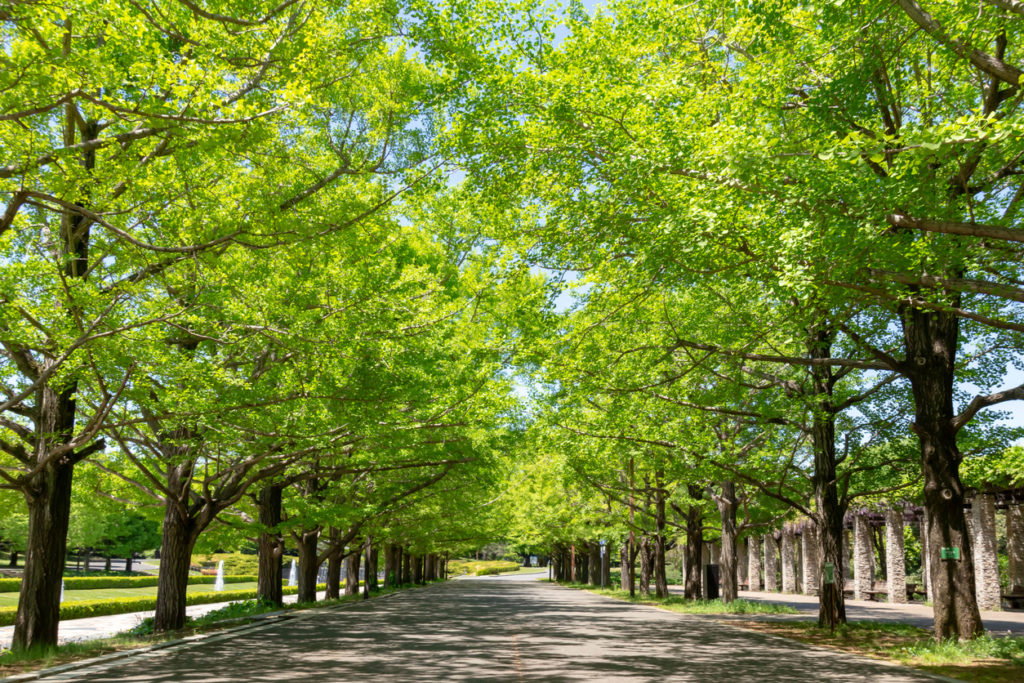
x: 742, y: 562
x: 771, y: 563
x: 847, y: 565
x: 788, y: 561
x: 754, y: 562
x: 809, y: 548
x: 895, y: 569
x: 1015, y: 547
x: 863, y: 576
x: 986, y: 559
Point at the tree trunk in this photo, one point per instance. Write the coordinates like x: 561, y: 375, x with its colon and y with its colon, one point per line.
x: 645, y: 565
x: 49, y: 510
x: 694, y: 544
x: 931, y: 339
x: 14, y: 559
x: 624, y: 567
x: 270, y: 546
x: 660, y: 577
x: 374, y: 556
x: 594, y: 564
x: 179, y: 538
x: 754, y: 548
x: 106, y: 563
x: 390, y: 580
x: 367, y: 567
x: 352, y: 572
x: 727, y: 506
x: 406, y: 566
x: 983, y: 511
x: 309, y: 564
x: 334, y: 562
x: 830, y: 509
x: 127, y: 564
x: 417, y: 569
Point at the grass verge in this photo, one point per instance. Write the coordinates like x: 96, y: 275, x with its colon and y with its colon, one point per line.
x: 675, y: 603
x: 983, y: 660
x: 235, y: 614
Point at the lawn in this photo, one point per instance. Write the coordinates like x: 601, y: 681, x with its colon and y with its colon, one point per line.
x: 984, y: 660
x: 675, y: 603
x: 11, y: 599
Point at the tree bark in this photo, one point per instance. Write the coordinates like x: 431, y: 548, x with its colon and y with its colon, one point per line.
x: 830, y: 509
x: 270, y: 546
x: 309, y: 564
x: 930, y: 340
x: 694, y: 544
x: 727, y: 506
x: 594, y: 563
x: 49, y: 511
x: 352, y: 571
x: 179, y: 538
x: 645, y: 565
x: 334, y: 563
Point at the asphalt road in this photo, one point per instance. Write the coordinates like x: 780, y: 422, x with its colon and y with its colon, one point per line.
x: 492, y: 630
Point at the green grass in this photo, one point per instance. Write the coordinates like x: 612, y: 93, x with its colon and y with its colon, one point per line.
x: 675, y: 603
x: 982, y: 660
x: 11, y: 599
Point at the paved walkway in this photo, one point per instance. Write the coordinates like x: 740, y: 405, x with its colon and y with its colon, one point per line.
x: 492, y: 630
x: 998, y: 623
x: 78, y: 630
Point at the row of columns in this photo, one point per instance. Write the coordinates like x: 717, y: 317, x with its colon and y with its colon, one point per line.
x: 797, y: 565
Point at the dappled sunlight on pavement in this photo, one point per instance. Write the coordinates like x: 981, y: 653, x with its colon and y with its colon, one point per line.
x: 495, y: 631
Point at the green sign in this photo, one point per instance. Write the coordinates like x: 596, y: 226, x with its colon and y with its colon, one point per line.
x: 950, y: 553
x: 830, y: 572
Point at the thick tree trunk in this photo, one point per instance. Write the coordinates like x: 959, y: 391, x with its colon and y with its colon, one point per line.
x: 931, y: 339
x: 594, y: 564
x: 660, y: 575
x: 863, y: 574
x: 694, y: 545
x: 417, y: 569
x: 106, y: 563
x: 830, y: 509
x: 352, y: 571
x: 334, y: 562
x: 390, y: 578
x: 406, y: 566
x: 727, y: 506
x: 809, y: 551
x: 624, y: 567
x: 49, y: 510
x: 309, y: 564
x: 374, y: 583
x: 14, y: 559
x: 645, y: 565
x: 179, y: 537
x: 270, y: 546
x: 127, y: 564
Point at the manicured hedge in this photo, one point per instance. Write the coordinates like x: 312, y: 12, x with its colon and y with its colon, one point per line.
x: 498, y: 569
x: 80, y: 609
x: 98, y: 582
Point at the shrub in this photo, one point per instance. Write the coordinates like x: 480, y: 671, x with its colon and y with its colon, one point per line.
x: 100, y: 582
x: 81, y: 609
x: 498, y: 568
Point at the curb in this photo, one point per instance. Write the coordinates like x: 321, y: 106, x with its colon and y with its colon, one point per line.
x: 274, y: 619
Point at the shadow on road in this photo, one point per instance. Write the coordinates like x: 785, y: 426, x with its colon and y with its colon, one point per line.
x: 498, y: 631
